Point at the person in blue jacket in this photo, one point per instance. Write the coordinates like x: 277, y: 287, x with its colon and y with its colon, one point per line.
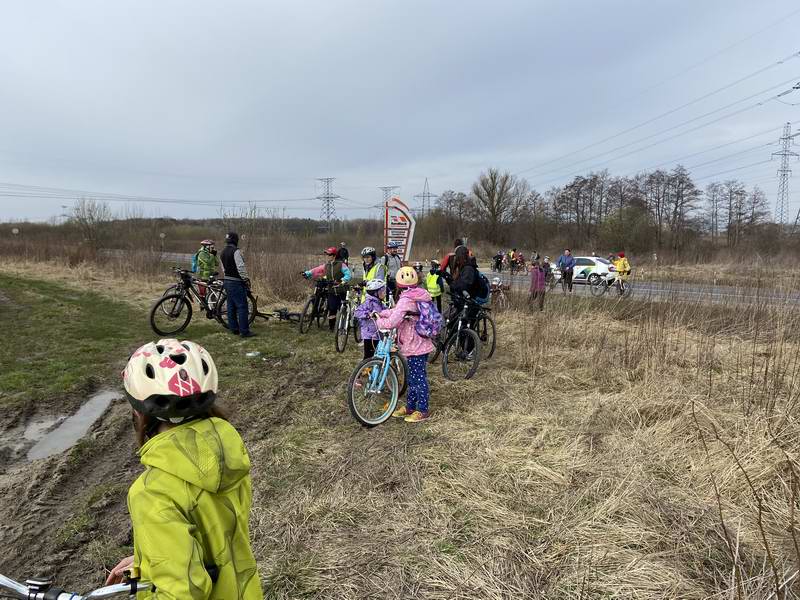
x: 566, y: 264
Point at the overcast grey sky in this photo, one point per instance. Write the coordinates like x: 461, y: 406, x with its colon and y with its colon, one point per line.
x: 244, y: 100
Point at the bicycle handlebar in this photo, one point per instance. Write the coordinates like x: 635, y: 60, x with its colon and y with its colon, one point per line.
x: 34, y: 589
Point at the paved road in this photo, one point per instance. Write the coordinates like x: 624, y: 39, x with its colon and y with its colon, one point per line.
x: 660, y: 290
x: 647, y: 290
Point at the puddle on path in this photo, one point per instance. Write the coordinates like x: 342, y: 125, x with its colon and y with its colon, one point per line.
x: 71, y: 429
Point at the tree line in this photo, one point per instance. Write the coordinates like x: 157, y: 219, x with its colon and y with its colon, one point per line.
x: 664, y: 211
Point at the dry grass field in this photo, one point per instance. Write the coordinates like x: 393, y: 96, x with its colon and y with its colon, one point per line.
x: 609, y: 450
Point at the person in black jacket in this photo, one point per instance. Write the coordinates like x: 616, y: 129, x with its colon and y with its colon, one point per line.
x: 236, y: 283
x: 463, y: 277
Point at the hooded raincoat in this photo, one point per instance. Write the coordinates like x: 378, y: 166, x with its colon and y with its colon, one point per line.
x: 190, y: 511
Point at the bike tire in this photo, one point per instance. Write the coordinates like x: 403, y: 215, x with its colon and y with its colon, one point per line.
x: 401, y: 371
x: 487, y: 332
x: 342, y: 330
x: 389, y: 395
x: 438, y: 345
x: 322, y: 313
x: 460, y: 343
x: 179, y: 311
x: 307, y: 316
x: 598, y: 288
x: 357, y: 332
x: 221, y: 309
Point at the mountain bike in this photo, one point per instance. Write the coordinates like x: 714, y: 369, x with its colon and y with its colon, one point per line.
x: 43, y: 589
x: 375, y: 384
x: 316, y: 307
x: 602, y: 284
x: 172, y: 312
x: 458, y: 344
x: 346, y: 320
x: 222, y: 307
x: 486, y: 330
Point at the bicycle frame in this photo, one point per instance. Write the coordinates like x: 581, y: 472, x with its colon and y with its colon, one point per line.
x: 35, y: 589
x: 383, y: 352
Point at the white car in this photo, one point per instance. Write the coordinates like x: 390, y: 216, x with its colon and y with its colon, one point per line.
x: 587, y: 269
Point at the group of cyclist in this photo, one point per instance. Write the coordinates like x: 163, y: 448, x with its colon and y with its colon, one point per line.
x: 190, y: 507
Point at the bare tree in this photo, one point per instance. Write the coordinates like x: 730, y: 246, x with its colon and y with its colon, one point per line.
x: 90, y: 215
x: 497, y: 199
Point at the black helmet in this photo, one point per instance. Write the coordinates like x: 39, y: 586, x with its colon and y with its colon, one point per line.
x: 232, y: 238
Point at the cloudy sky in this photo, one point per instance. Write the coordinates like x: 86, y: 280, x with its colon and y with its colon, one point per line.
x: 254, y: 100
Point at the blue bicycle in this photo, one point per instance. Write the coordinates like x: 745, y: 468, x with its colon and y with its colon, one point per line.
x: 377, y: 383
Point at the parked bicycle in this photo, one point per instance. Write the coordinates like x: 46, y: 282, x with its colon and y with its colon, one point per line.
x: 43, y: 589
x: 377, y: 383
x: 316, y: 307
x: 172, y: 313
x: 346, y: 320
x: 459, y: 345
x: 602, y: 284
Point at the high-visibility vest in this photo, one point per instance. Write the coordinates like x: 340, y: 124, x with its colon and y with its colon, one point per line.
x: 432, y: 285
x: 377, y: 271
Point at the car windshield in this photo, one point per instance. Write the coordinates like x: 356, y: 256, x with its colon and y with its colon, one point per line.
x: 603, y: 260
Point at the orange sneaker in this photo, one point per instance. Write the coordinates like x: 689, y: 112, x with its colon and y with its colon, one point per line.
x: 401, y: 412
x: 417, y: 416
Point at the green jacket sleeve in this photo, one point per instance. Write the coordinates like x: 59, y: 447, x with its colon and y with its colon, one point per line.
x: 164, y: 535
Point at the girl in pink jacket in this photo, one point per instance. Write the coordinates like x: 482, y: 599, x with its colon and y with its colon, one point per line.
x: 412, y: 345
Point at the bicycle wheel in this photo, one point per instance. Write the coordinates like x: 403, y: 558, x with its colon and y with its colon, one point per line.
x: 400, y: 366
x: 627, y: 290
x: 307, y: 316
x: 487, y: 332
x: 461, y: 355
x: 598, y: 287
x: 221, y: 309
x: 322, y: 312
x: 369, y: 403
x: 356, y: 331
x: 438, y: 344
x: 170, y: 314
x: 342, y: 329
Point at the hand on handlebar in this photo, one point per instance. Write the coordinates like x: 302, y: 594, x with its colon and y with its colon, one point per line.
x: 117, y: 574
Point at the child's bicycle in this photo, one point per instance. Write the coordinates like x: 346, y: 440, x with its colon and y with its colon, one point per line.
x: 43, y: 589
x: 459, y: 345
x: 346, y: 320
x: 600, y: 285
x: 377, y: 383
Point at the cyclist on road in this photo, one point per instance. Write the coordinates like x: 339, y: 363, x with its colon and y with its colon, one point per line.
x: 497, y: 261
x: 191, y: 506
x: 623, y: 268
x: 375, y: 292
x: 566, y: 264
x: 237, y: 283
x: 412, y: 345
x: 392, y: 261
x: 206, y: 263
x: 337, y: 272
x: 434, y: 283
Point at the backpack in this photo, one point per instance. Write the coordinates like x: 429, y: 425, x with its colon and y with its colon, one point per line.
x: 483, y: 290
x: 194, y: 262
x: 430, y: 320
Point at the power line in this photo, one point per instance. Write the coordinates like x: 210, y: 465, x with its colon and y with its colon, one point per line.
x: 679, y: 125
x: 677, y: 135
x: 710, y: 57
x: 667, y: 113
